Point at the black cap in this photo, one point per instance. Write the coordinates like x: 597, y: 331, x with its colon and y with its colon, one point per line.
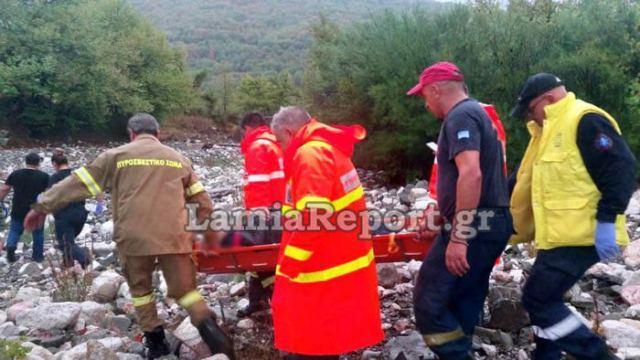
x: 33, y: 159
x: 535, y: 86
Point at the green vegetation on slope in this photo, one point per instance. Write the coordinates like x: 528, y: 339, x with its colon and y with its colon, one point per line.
x: 361, y: 73
x: 85, y: 64
x: 263, y: 36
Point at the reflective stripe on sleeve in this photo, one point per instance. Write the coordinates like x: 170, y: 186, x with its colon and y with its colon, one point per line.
x: 88, y: 181
x: 189, y: 299
x: 194, y: 189
x: 143, y: 300
x: 559, y: 330
x: 333, y: 272
x: 297, y: 253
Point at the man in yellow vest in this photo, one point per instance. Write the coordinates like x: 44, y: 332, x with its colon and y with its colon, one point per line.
x: 571, y: 191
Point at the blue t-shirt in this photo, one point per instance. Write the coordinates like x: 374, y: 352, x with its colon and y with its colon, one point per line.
x: 468, y: 127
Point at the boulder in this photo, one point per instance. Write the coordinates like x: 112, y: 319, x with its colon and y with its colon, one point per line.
x: 3, y: 317
x: 27, y: 293
x: 506, y: 310
x: 8, y: 330
x: 50, y: 316
x: 629, y: 353
x: 93, y: 313
x: 95, y: 350
x: 106, y: 285
x: 409, y: 347
x: 188, y: 334
x: 30, y: 269
x: 631, y: 294
x: 620, y: 335
x: 17, y: 309
x: 388, y: 275
x: 36, y: 352
x: 631, y: 255
x: 81, y: 351
x: 238, y: 289
x: 633, y: 312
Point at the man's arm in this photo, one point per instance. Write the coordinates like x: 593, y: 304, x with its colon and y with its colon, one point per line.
x: 610, y: 163
x: 469, y: 183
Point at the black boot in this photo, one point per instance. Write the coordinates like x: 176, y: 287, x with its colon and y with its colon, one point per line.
x: 156, y: 343
x: 217, y: 341
x: 11, y: 254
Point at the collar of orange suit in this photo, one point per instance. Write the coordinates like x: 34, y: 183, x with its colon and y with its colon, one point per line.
x: 342, y: 137
x: 261, y: 132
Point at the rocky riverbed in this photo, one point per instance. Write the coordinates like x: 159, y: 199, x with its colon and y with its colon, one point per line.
x: 50, y: 313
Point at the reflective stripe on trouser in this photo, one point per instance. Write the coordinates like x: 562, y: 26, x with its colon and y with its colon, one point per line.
x: 448, y: 307
x: 555, y: 326
x: 179, y: 273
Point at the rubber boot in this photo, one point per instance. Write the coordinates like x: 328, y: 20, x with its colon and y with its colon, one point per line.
x: 156, y: 343
x: 11, y: 254
x: 215, y: 338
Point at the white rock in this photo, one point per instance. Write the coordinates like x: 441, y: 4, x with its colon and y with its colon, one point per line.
x: 93, y: 313
x: 17, y: 309
x: 238, y: 289
x: 633, y: 312
x: 162, y: 285
x: 37, y: 352
x: 3, y: 317
x: 490, y: 350
x: 242, y: 303
x: 188, y: 334
x: 8, y: 329
x: 631, y: 255
x: 50, y: 316
x: 27, y: 293
x: 127, y: 356
x: 105, y: 248
x: 79, y: 352
x: 634, y: 204
x: 105, y: 286
x: 620, y: 335
x: 123, y: 291
x: 414, y: 267
x: 30, y: 268
x: 217, y: 357
x: 246, y: 324
x: 106, y: 229
x: 629, y: 353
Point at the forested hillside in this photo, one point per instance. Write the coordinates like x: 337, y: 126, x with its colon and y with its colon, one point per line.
x: 255, y: 36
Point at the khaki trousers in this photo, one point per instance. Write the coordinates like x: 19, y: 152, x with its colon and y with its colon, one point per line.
x: 179, y: 273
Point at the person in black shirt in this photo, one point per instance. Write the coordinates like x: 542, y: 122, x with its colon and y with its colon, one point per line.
x: 473, y: 200
x: 69, y: 220
x: 27, y: 184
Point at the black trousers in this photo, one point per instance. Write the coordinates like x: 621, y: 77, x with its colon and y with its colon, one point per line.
x: 69, y: 224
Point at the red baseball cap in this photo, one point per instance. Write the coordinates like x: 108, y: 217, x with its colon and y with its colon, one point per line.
x: 440, y: 71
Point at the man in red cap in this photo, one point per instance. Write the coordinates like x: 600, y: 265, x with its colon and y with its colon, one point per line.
x: 473, y: 202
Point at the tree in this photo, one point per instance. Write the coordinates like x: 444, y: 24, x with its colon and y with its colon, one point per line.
x: 85, y: 64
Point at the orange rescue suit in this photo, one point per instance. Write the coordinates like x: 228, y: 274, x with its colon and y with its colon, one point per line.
x: 325, y: 300
x: 263, y: 165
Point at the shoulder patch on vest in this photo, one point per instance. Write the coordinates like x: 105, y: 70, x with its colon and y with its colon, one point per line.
x: 603, y: 142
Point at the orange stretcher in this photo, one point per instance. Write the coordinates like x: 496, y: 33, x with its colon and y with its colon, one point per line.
x: 387, y: 248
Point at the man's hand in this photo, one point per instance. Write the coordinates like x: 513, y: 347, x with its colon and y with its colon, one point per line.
x: 430, y: 223
x: 34, y: 220
x: 456, y: 257
x: 606, y: 241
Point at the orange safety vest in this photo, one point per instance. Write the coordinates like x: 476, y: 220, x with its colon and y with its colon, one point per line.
x: 325, y: 300
x: 264, y: 170
x: 502, y: 136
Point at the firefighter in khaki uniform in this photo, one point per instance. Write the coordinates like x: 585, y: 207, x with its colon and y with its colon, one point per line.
x: 150, y: 184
